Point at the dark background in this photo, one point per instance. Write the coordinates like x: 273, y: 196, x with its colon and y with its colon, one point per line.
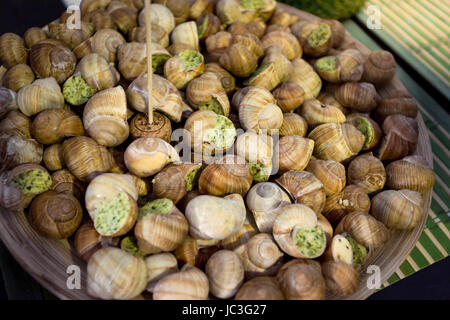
x: 18, y: 15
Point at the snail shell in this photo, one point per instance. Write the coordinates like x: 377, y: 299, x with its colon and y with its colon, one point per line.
x: 411, y: 173
x: 186, y: 33
x: 365, y: 229
x: 111, y: 202
x: 406, y: 106
x: 85, y: 158
x: 227, y: 175
x: 260, y: 288
x: 304, y: 75
x: 183, y: 67
x: 294, y: 220
x: 293, y: 124
x: 316, y: 113
x: 175, y: 181
x: 212, y: 217
x: 207, y: 89
x: 293, y: 153
x: 207, y: 24
x: 337, y: 32
x: 402, y: 209
x: 225, y: 272
x: 265, y: 200
x: 341, y: 279
x: 305, y: 188
x: 52, y: 125
x: 55, y: 215
x: 159, y: 266
x: 190, y: 283
x: 53, y: 158
x: 360, y: 96
x: 368, y: 127
x: 302, y: 280
x: 12, y: 50
x: 8, y: 101
x: 258, y: 111
x: 379, y: 67
x: 132, y: 60
x: 239, y: 60
x: 146, y: 156
x: 400, y: 137
x: 105, y: 117
x: 115, y: 274
x: 97, y: 72
x: 159, y: 15
x: 283, y: 66
x: 33, y: 36
x: 87, y: 241
x: 330, y: 173
x: 226, y: 79
x: 16, y: 123
x: 161, y: 232
x: 367, y: 172
x: 18, y: 77
x: 51, y: 58
x: 336, y: 142
x: 42, y: 94
x: 352, y: 198
x: 15, y: 150
x: 166, y: 98
x: 65, y: 182
x: 315, y: 37
x: 11, y: 198
x: 255, y: 148
x: 289, y: 96
x: 290, y: 47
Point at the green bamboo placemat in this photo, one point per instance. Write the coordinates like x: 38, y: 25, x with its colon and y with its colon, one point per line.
x: 434, y: 243
x: 419, y: 32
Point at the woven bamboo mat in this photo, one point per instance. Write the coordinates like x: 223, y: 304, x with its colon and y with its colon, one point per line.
x: 434, y: 243
x: 419, y: 32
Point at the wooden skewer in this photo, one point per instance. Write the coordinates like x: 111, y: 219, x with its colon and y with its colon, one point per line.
x: 149, y: 60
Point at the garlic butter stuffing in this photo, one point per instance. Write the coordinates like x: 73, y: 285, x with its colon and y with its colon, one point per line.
x: 298, y: 161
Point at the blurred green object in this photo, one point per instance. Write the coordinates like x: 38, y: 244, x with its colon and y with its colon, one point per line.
x: 328, y: 9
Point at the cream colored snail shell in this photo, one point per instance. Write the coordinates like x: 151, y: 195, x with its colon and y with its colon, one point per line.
x: 225, y: 272
x: 115, y: 274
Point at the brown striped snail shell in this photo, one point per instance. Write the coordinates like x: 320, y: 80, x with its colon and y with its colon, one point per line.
x: 33, y: 36
x: 411, y: 172
x: 16, y: 123
x: 293, y: 124
x: 55, y: 215
x: 330, y: 173
x: 290, y: 46
x: 368, y: 127
x: 16, y: 150
x: 360, y: 96
x: 289, y: 96
x: 53, y: 158
x: 97, y: 72
x: 367, y: 172
x: 341, y: 279
x: 379, y: 67
x: 293, y: 153
x: 65, y: 182
x: 18, y: 77
x: 12, y: 50
x: 260, y: 288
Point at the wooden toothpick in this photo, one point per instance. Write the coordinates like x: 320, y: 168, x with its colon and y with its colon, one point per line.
x: 149, y: 60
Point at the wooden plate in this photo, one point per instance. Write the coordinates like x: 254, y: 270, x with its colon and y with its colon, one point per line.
x: 47, y: 260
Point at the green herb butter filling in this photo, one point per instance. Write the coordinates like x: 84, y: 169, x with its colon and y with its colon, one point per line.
x: 202, y: 28
x: 326, y: 64
x: 111, y: 215
x: 213, y: 105
x: 158, y: 61
x: 192, y: 178
x: 162, y: 206
x: 222, y: 135
x: 191, y: 59
x: 252, y: 5
x: 32, y: 181
x: 129, y: 245
x: 259, y: 171
x: 320, y: 35
x: 364, y: 125
x: 311, y: 242
x: 359, y: 252
x: 76, y: 91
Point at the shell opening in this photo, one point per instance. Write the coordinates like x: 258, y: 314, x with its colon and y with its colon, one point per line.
x: 129, y: 244
x: 32, y: 181
x: 213, y: 105
x: 202, y: 28
x: 76, y: 91
x: 359, y: 252
x: 111, y: 215
x: 162, y: 206
x: 260, y: 172
x: 310, y: 242
x: 327, y: 64
x: 191, y: 59
x: 252, y: 5
x: 222, y: 135
x: 192, y: 178
x: 158, y: 61
x: 320, y: 35
x: 364, y: 125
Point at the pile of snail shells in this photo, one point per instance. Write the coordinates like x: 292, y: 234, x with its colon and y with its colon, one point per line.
x: 292, y: 215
